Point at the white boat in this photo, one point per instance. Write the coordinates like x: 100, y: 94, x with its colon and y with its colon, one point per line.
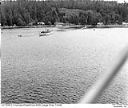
x: 45, y: 33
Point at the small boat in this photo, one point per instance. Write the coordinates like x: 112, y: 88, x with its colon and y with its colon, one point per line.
x: 19, y: 35
x: 45, y: 33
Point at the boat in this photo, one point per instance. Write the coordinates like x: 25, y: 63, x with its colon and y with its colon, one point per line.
x: 19, y: 35
x: 45, y: 32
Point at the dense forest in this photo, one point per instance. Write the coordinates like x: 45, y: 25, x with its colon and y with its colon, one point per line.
x: 90, y: 12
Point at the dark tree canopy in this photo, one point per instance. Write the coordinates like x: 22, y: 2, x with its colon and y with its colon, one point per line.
x: 26, y: 12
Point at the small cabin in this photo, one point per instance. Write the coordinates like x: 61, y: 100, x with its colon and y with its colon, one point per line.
x: 125, y: 23
x: 58, y: 24
x: 41, y: 23
x: 100, y: 23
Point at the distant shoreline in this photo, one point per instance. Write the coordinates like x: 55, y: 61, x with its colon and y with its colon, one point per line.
x: 18, y: 27
x: 67, y: 26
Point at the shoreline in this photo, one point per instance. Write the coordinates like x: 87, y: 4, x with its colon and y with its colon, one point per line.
x: 18, y: 27
x: 67, y: 26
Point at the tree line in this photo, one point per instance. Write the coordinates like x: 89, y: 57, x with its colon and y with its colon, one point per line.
x: 30, y: 12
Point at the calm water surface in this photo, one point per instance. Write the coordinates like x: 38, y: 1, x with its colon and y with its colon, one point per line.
x: 61, y: 67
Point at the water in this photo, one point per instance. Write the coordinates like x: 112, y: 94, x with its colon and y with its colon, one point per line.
x: 61, y: 67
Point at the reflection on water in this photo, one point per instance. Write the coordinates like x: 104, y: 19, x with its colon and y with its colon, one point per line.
x: 60, y: 68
